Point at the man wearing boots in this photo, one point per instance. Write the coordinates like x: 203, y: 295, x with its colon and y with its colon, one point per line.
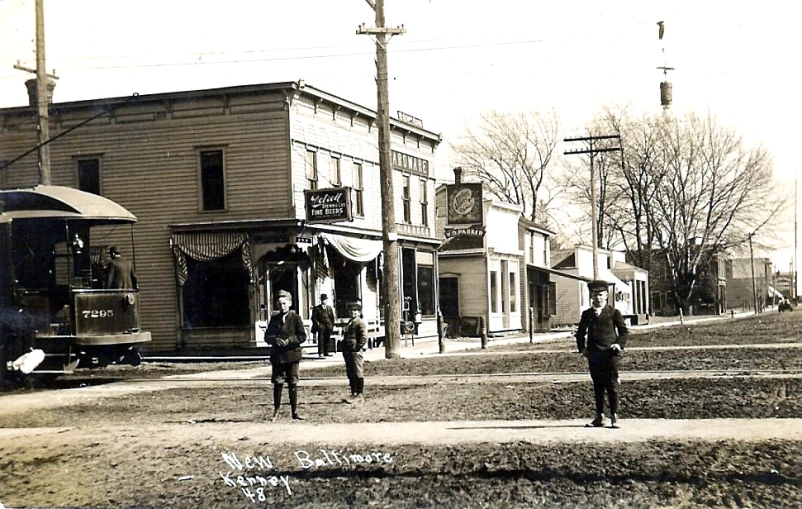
x: 285, y: 333
x: 601, y: 337
x: 323, y: 324
x: 355, y: 336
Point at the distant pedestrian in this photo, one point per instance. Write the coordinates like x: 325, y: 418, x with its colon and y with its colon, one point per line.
x: 120, y: 271
x: 323, y: 324
x: 285, y: 333
x: 355, y: 336
x: 601, y: 337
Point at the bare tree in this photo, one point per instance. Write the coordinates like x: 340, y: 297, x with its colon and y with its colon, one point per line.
x: 682, y: 192
x: 511, y: 153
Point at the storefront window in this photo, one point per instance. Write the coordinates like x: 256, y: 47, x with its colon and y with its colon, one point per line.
x: 426, y: 289
x: 216, y: 293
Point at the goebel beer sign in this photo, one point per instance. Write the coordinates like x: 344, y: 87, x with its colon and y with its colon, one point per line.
x: 328, y: 205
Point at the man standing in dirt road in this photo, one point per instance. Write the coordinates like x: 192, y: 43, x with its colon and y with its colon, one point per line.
x: 285, y: 333
x: 355, y: 336
x: 601, y: 337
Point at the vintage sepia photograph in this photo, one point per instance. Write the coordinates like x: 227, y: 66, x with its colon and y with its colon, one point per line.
x: 399, y: 254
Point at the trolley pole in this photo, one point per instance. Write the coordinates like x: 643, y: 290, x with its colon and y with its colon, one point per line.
x: 390, y: 283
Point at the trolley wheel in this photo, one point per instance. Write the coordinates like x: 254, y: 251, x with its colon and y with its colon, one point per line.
x: 133, y: 357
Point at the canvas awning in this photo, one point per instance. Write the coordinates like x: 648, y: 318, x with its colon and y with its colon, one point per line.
x: 608, y: 276
x: 353, y: 248
x: 560, y: 273
x: 206, y: 247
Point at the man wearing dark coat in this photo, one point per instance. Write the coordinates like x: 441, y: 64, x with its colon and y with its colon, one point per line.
x: 120, y: 271
x: 601, y: 337
x: 285, y: 332
x: 323, y: 324
x: 355, y: 336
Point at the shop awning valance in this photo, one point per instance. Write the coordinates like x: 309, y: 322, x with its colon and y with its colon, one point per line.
x: 206, y: 247
x: 358, y: 250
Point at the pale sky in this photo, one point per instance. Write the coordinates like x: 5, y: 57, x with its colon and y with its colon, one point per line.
x: 737, y: 60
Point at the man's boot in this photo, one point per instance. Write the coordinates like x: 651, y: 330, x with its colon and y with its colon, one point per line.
x: 276, y: 401
x: 293, y: 392
x: 598, y: 422
x: 356, y: 397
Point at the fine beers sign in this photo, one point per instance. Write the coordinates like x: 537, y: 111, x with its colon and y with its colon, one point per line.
x: 328, y: 205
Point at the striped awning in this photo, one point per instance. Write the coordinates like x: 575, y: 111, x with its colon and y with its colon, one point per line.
x: 206, y: 247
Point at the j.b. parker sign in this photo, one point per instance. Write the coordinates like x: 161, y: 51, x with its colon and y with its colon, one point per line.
x: 328, y: 205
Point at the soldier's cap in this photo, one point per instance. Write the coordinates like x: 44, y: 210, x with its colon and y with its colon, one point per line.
x: 597, y: 285
x: 113, y: 249
x: 354, y: 305
x: 284, y: 294
x: 323, y: 296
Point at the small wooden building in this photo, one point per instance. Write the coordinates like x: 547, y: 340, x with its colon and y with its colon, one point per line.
x: 241, y: 192
x: 629, y: 285
x: 494, y: 264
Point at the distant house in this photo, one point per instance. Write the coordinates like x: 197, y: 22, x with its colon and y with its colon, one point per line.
x: 709, y: 294
x: 742, y: 288
x: 629, y: 285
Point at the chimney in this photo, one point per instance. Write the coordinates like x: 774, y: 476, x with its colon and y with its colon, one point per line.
x: 32, y: 95
x: 458, y: 175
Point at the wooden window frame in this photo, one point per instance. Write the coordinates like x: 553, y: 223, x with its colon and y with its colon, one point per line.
x: 201, y: 181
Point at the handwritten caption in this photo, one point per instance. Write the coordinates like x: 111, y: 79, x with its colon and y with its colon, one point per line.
x: 255, y: 475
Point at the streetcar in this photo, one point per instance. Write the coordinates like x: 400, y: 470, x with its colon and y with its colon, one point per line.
x: 57, y: 311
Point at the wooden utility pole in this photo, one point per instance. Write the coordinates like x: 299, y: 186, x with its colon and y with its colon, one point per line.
x: 390, y: 283
x: 41, y: 96
x: 752, y: 264
x: 594, y: 208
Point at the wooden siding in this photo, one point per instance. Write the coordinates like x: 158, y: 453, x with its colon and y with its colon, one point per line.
x: 148, y: 165
x: 502, y: 230
x: 473, y: 283
x: 568, y: 300
x: 332, y: 132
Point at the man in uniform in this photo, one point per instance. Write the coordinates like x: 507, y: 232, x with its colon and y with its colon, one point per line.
x: 285, y: 333
x: 601, y: 337
x: 323, y: 325
x: 120, y: 271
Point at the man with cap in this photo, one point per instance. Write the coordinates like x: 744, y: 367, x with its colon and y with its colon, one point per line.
x: 355, y: 336
x: 323, y: 325
x: 120, y: 271
x: 601, y: 337
x: 285, y: 332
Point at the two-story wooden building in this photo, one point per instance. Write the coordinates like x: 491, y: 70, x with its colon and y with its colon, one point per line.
x: 241, y: 192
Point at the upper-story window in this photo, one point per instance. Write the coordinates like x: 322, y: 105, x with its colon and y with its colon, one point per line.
x: 424, y: 203
x: 89, y: 175
x: 311, y: 169
x: 359, y: 205
x: 213, y: 182
x: 336, y: 175
x: 532, y: 258
x: 407, y: 198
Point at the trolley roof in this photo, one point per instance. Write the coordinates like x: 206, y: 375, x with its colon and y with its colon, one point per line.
x: 57, y: 202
